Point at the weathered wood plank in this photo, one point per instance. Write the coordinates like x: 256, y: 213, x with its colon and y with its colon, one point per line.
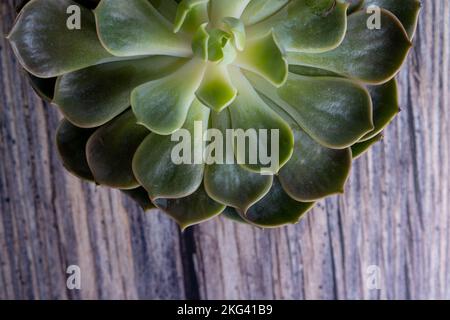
x: 395, y: 214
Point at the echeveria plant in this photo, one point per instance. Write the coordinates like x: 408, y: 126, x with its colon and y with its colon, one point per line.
x: 128, y: 75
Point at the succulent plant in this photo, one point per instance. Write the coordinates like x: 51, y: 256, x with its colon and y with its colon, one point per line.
x: 135, y: 72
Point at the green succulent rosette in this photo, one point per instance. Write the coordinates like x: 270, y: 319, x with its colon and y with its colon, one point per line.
x: 138, y: 71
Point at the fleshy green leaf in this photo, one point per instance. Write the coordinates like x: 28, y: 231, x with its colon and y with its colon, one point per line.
x: 370, y: 55
x: 385, y: 106
x: 71, y: 143
x: 95, y: 95
x: 276, y: 209
x: 264, y: 57
x: 190, y: 15
x: 320, y: 7
x: 237, y: 29
x: 250, y: 112
x: 220, y: 47
x: 359, y: 149
x: 154, y: 165
x: 258, y: 10
x: 216, y: 90
x: 197, y: 16
x: 162, y: 105
x: 229, y: 183
x: 168, y: 8
x: 307, y: 26
x: 140, y: 196
x: 110, y: 151
x: 200, y: 42
x: 230, y: 8
x: 68, y: 50
x: 314, y: 171
x: 336, y: 112
x: 135, y: 27
x: 407, y: 11
x: 191, y: 210
x: 311, y: 71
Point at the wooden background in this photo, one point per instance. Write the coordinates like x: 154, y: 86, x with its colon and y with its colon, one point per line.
x: 395, y: 214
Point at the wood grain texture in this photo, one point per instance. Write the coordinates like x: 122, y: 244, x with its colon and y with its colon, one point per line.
x: 395, y: 213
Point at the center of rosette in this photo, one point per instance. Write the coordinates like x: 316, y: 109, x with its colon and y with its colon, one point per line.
x: 219, y: 45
